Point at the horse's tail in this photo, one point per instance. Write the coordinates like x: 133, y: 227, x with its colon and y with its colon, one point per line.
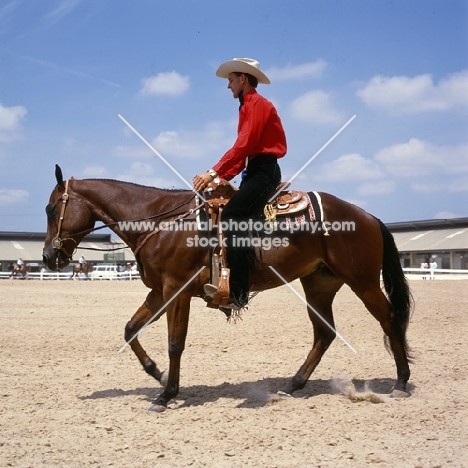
x: 396, y: 287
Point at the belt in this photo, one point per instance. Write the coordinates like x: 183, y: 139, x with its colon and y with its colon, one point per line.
x: 262, y: 158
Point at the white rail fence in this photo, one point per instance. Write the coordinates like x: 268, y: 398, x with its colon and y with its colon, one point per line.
x: 54, y: 275
x: 435, y: 273
x: 411, y: 274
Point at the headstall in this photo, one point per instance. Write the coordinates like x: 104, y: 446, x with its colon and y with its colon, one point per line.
x: 57, y: 242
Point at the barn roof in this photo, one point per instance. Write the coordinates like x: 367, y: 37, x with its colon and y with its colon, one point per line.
x: 431, y: 235
x: 438, y: 239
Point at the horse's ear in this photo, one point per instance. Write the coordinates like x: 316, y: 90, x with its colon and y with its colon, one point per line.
x: 59, y: 175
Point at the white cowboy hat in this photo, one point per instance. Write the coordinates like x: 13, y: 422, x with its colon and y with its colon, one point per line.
x: 242, y: 65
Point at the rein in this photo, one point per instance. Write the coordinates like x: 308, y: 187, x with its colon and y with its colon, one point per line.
x: 57, y: 242
x: 155, y: 231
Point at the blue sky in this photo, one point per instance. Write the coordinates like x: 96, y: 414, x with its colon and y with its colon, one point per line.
x: 68, y: 68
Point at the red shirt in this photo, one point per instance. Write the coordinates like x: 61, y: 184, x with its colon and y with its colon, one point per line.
x: 259, y: 132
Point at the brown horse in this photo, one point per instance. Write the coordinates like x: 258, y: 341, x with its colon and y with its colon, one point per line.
x: 20, y: 270
x: 172, y: 267
x: 84, y: 268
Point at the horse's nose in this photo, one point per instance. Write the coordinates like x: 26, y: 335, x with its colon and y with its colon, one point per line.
x: 48, y: 262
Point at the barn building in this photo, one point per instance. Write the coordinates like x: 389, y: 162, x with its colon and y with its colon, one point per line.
x: 445, y: 240
x: 96, y: 248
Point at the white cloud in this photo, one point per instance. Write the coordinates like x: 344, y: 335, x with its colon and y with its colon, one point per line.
x: 141, y: 169
x: 214, y: 138
x: 209, y: 143
x: 143, y: 173
x: 10, y: 122
x: 349, y: 168
x: 297, y: 72
x: 459, y: 184
x: 73, y: 148
x: 418, y: 159
x: 139, y: 152
x: 169, y: 83
x: 422, y: 186
x: 13, y: 197
x: 361, y: 202
x: 447, y: 215
x: 432, y: 168
x: 383, y: 187
x: 316, y: 107
x: 94, y: 171
x: 399, y: 95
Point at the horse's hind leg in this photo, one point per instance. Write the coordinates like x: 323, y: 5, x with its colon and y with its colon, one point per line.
x: 143, y: 315
x: 320, y: 288
x: 378, y: 305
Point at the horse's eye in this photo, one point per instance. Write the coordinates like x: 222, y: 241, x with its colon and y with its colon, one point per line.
x: 50, y: 209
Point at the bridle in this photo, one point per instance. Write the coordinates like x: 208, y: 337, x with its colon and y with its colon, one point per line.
x: 57, y: 241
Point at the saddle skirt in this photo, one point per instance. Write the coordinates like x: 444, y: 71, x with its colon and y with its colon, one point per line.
x: 286, y: 202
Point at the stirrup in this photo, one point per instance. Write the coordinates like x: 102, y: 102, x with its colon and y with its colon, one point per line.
x: 232, y: 304
x: 210, y: 290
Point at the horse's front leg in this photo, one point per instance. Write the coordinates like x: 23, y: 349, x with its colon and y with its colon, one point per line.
x: 143, y: 315
x: 177, y: 320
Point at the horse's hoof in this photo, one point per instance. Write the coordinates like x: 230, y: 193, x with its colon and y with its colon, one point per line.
x: 399, y: 394
x: 157, y: 408
x: 164, y: 377
x: 282, y: 394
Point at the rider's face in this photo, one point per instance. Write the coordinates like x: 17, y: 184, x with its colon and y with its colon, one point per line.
x: 236, y: 84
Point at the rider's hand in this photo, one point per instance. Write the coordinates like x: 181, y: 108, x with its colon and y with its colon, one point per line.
x: 200, y: 181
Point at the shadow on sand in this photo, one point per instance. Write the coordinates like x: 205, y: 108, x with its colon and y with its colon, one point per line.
x: 254, y: 394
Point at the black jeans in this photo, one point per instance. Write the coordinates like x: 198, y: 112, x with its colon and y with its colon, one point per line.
x: 259, y: 184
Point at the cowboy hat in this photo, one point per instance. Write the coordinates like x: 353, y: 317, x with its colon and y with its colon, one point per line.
x: 242, y: 65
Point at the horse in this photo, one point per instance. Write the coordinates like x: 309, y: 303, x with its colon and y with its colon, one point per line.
x: 84, y: 268
x: 175, y: 269
x: 20, y: 270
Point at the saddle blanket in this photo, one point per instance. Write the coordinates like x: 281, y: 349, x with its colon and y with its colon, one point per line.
x: 297, y: 221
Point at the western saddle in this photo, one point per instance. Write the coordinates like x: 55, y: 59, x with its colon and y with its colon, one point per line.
x: 217, y: 194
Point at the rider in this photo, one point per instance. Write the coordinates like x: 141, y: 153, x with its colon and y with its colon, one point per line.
x: 261, y: 140
x: 82, y: 261
x: 20, y: 262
